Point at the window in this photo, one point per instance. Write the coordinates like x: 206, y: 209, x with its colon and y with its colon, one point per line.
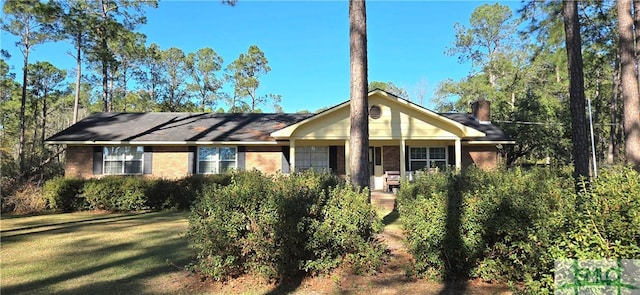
x: 312, y: 157
x: 427, y: 158
x: 120, y: 160
x: 216, y: 160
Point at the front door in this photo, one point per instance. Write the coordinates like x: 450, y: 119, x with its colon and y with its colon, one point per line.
x: 375, y: 168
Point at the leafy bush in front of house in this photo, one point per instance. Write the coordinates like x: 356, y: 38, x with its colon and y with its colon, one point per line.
x: 64, y: 194
x: 278, y: 226
x: 344, y: 232
x: 510, y: 226
x: 490, y: 225
x: 229, y: 226
x: 127, y: 193
x: 116, y: 193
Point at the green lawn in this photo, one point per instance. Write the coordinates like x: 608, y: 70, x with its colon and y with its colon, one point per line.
x: 90, y: 253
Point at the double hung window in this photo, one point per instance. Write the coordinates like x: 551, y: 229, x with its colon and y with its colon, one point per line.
x: 216, y: 160
x: 427, y: 158
x: 312, y: 157
x: 123, y: 160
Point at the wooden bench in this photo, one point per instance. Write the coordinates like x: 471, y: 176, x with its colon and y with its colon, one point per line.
x: 391, y: 179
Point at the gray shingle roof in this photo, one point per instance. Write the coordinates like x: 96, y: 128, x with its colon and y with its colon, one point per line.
x: 493, y: 132
x: 176, y: 127
x: 207, y: 127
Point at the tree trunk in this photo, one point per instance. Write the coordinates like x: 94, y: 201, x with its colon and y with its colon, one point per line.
x: 111, y: 90
x: 636, y: 23
x: 576, y: 89
x: 76, y: 99
x: 105, y: 87
x: 43, y: 122
x: 359, y: 133
x: 629, y: 83
x: 34, y: 138
x: 613, y: 155
x: 23, y: 102
x: 103, y: 52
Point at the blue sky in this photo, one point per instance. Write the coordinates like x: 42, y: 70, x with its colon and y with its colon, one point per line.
x: 307, y: 43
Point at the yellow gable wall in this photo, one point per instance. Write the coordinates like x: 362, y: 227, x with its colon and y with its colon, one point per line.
x: 398, y: 120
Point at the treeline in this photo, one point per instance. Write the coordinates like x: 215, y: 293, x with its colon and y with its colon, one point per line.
x: 519, y: 63
x: 115, y: 71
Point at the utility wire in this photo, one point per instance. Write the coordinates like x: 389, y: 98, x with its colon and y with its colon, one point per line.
x: 546, y: 123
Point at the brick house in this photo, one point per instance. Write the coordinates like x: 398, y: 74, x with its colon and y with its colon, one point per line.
x: 403, y: 137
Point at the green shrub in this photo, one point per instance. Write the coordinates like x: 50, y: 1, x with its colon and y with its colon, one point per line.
x: 491, y: 225
x: 510, y: 226
x: 229, y: 227
x: 126, y: 193
x: 345, y: 232
x: 422, y: 205
x: 277, y: 226
x: 116, y: 193
x: 300, y: 199
x: 64, y: 194
x: 609, y: 224
x: 165, y: 194
x: 192, y: 186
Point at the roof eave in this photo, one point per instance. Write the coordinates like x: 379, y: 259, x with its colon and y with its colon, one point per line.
x: 159, y: 143
x: 485, y: 142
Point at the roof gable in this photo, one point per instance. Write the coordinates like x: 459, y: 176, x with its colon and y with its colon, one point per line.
x: 399, y: 119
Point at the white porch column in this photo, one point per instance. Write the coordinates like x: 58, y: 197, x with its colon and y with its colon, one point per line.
x: 292, y: 156
x: 347, y: 157
x: 458, y: 154
x: 403, y: 166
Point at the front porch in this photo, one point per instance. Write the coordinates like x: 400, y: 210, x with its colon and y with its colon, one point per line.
x: 384, y: 155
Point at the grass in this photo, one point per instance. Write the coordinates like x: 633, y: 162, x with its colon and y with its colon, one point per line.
x: 90, y: 253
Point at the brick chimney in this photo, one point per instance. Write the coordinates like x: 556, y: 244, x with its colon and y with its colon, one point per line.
x: 481, y: 110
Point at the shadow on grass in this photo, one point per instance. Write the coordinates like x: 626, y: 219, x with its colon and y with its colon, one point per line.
x: 391, y: 217
x: 131, y: 284
x: 287, y: 286
x: 93, y: 220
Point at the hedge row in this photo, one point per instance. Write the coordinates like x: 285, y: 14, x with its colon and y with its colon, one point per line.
x: 510, y: 226
x: 127, y: 193
x: 281, y: 226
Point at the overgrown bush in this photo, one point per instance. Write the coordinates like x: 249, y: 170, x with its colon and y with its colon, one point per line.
x: 127, y: 193
x: 511, y: 226
x: 608, y: 225
x: 278, y: 226
x: 64, y: 194
x: 27, y: 199
x: 344, y: 233
x: 115, y: 193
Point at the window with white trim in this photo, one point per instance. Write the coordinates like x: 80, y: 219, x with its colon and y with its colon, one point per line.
x: 123, y: 160
x: 312, y: 157
x: 427, y: 158
x: 217, y: 160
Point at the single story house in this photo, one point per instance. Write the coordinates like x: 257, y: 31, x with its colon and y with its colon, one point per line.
x: 403, y: 137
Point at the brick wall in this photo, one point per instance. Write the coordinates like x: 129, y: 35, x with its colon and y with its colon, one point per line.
x: 485, y: 157
x: 267, y: 159
x: 79, y: 161
x: 391, y: 158
x: 170, y: 162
